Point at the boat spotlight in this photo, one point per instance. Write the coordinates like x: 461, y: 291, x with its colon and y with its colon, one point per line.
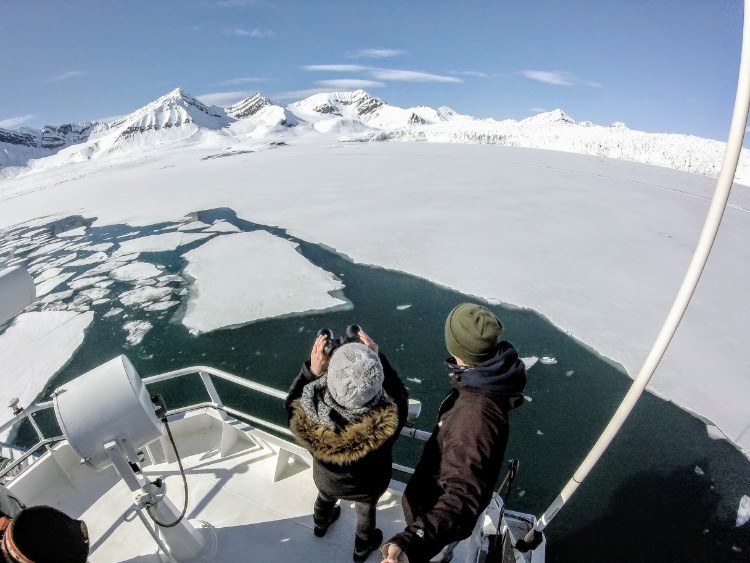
x: 107, y: 416
x: 17, y: 291
x: 104, y: 408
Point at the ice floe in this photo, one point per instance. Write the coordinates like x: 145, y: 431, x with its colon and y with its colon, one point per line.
x: 403, y: 307
x: 245, y: 277
x: 549, y: 360
x: 136, y: 331
x: 34, y: 348
x: 158, y: 243
x: 144, y: 294
x: 530, y: 361
x: 743, y: 513
x: 223, y: 227
x: 135, y: 271
x: 48, y: 285
x: 86, y: 282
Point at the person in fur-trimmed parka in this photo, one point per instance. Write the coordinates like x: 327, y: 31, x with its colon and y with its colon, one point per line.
x: 348, y: 410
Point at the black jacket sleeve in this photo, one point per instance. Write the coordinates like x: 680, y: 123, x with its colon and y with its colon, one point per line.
x: 295, y: 391
x: 470, y: 462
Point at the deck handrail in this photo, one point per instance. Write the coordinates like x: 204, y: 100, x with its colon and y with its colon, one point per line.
x: 205, y: 373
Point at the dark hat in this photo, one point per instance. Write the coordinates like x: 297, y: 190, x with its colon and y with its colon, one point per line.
x: 43, y: 534
x: 355, y: 375
x: 472, y: 333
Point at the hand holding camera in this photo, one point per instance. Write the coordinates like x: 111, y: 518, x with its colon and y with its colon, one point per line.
x: 325, y: 345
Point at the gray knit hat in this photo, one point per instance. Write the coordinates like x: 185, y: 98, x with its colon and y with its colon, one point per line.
x: 472, y: 333
x: 355, y: 376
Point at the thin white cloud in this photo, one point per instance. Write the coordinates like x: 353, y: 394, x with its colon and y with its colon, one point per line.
x: 13, y: 122
x: 337, y: 68
x: 538, y: 110
x: 237, y: 81
x: 411, y: 76
x: 557, y: 78
x: 385, y: 74
x: 222, y: 99
x: 375, y: 53
x: 473, y: 73
x: 350, y: 84
x: 252, y: 33
x: 67, y: 75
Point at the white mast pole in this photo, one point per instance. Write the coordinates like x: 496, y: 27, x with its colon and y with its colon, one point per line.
x: 689, y: 283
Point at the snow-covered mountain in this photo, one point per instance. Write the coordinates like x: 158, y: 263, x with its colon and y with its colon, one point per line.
x: 349, y: 116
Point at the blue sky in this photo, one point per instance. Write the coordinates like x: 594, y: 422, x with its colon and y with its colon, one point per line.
x: 660, y: 66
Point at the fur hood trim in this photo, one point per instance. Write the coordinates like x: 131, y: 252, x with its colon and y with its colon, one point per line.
x: 354, y: 442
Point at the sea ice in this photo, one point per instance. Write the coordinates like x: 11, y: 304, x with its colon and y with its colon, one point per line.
x: 402, y: 307
x: 47, y: 274
x: 49, y: 248
x: 158, y: 243
x: 136, y: 331
x: 193, y: 226
x: 160, y: 306
x: 743, y: 513
x: 223, y: 227
x: 112, y: 312
x: 714, y: 432
x: 94, y: 293
x: 63, y: 259
x: 59, y: 296
x: 549, y: 360
x: 135, y: 271
x: 34, y: 348
x: 245, y: 277
x: 73, y: 233
x: 46, y: 286
x: 530, y: 362
x: 144, y: 294
x: 94, y: 258
x: 86, y: 282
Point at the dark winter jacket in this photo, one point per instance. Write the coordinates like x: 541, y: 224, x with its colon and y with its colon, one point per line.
x: 354, y: 463
x: 461, y: 462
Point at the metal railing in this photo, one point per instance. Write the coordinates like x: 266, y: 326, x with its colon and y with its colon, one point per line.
x: 24, y: 458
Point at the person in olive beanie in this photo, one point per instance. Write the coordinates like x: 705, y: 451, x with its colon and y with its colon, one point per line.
x: 461, y: 462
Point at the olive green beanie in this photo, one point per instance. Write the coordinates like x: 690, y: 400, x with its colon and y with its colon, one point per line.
x: 472, y: 333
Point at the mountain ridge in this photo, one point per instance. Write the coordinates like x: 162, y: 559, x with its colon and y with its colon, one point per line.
x: 351, y: 116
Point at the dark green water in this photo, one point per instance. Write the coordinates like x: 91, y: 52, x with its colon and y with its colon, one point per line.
x: 644, y: 501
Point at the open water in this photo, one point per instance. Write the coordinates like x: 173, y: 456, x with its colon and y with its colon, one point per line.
x: 664, y: 491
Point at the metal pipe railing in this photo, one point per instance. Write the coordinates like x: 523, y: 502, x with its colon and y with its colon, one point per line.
x: 215, y: 402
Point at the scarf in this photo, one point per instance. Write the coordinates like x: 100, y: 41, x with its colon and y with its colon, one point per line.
x: 321, y: 408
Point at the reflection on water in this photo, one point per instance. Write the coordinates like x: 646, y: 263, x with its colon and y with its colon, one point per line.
x: 663, y: 491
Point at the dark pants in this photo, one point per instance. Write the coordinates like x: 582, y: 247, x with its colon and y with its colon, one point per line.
x: 365, y: 514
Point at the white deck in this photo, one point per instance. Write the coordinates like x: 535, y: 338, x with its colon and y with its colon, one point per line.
x: 255, y: 491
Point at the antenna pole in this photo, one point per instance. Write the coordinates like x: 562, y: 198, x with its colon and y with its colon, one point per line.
x: 685, y: 293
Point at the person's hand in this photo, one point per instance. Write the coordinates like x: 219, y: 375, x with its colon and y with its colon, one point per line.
x: 393, y: 554
x: 318, y: 358
x: 367, y: 341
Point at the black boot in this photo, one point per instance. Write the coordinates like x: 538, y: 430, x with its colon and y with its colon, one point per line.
x: 320, y: 531
x: 362, y: 549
